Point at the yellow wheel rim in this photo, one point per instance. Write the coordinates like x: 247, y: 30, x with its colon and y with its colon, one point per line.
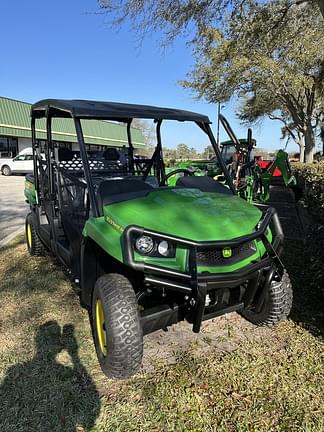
x: 100, y: 325
x: 29, y: 236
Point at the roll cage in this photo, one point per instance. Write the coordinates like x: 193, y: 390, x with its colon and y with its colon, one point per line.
x: 78, y: 110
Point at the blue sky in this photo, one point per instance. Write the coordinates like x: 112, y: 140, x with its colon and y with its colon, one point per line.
x: 63, y: 49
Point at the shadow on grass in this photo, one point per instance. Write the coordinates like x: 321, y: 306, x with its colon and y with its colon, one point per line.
x: 306, y: 271
x: 45, y: 395
x: 22, y: 273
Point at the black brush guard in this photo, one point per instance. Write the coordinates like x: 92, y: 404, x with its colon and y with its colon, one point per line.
x: 197, y: 286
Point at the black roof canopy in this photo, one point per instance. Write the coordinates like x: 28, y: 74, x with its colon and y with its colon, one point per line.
x: 111, y: 111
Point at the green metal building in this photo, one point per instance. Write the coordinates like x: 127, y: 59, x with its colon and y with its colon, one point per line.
x: 15, y: 131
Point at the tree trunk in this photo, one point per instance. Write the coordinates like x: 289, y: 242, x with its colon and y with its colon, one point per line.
x: 321, y: 5
x: 309, y: 143
x: 301, y: 144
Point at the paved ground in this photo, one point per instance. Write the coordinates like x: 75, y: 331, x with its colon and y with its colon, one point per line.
x: 13, y: 208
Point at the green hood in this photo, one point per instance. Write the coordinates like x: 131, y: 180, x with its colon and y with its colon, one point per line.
x: 187, y: 213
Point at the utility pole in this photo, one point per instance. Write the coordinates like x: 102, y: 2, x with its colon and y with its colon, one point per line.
x: 218, y: 112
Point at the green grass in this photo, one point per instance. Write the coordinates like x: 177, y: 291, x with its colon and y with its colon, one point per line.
x: 270, y: 379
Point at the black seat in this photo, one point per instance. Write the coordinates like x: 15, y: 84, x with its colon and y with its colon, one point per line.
x: 111, y: 154
x: 65, y: 154
x: 113, y: 191
x: 203, y: 183
x: 151, y: 180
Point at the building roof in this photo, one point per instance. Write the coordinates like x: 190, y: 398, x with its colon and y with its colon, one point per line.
x: 15, y: 121
x: 112, y: 110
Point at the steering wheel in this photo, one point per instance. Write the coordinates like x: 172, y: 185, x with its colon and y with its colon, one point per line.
x: 185, y: 171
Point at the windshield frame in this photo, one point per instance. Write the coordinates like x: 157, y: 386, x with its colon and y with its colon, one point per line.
x: 155, y: 161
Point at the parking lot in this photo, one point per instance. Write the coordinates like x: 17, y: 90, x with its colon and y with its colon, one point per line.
x: 13, y: 208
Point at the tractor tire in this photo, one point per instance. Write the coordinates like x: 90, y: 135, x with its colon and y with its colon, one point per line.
x: 34, y: 245
x: 276, y: 306
x: 6, y: 171
x: 116, y: 326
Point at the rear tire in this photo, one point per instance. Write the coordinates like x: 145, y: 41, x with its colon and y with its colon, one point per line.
x: 117, y: 330
x: 34, y: 245
x: 276, y: 306
x: 6, y: 171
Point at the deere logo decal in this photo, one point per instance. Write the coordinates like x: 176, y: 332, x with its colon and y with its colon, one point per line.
x: 227, y: 252
x: 114, y: 224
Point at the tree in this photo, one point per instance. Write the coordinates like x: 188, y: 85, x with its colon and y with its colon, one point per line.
x: 290, y: 132
x: 174, y: 17
x: 147, y: 131
x: 208, y: 152
x: 169, y: 154
x: 264, y: 104
x: 322, y: 133
x: 206, y: 23
x: 193, y: 154
x: 277, y: 73
x: 183, y: 151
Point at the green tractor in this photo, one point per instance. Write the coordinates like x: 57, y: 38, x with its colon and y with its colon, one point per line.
x: 252, y: 177
x: 199, y: 167
x: 144, y: 255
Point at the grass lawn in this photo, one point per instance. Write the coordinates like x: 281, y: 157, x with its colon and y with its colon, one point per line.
x: 231, y: 377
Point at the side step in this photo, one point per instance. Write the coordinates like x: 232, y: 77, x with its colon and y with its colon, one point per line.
x: 212, y: 311
x: 160, y: 317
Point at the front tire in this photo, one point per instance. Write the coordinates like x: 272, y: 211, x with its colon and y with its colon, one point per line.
x: 34, y: 245
x: 117, y: 330
x: 6, y: 171
x: 276, y: 306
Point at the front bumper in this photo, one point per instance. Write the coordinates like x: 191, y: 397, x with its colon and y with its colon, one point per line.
x: 198, y: 285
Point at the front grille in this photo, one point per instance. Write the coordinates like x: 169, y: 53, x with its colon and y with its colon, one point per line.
x: 215, y: 257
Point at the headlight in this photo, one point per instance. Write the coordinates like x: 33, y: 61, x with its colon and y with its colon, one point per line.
x: 144, y: 244
x: 154, y: 247
x: 163, y: 248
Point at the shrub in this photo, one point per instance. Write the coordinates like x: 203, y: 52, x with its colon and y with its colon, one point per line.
x: 311, y: 178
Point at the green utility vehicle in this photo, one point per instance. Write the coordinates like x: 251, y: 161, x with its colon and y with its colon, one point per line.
x: 144, y: 255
